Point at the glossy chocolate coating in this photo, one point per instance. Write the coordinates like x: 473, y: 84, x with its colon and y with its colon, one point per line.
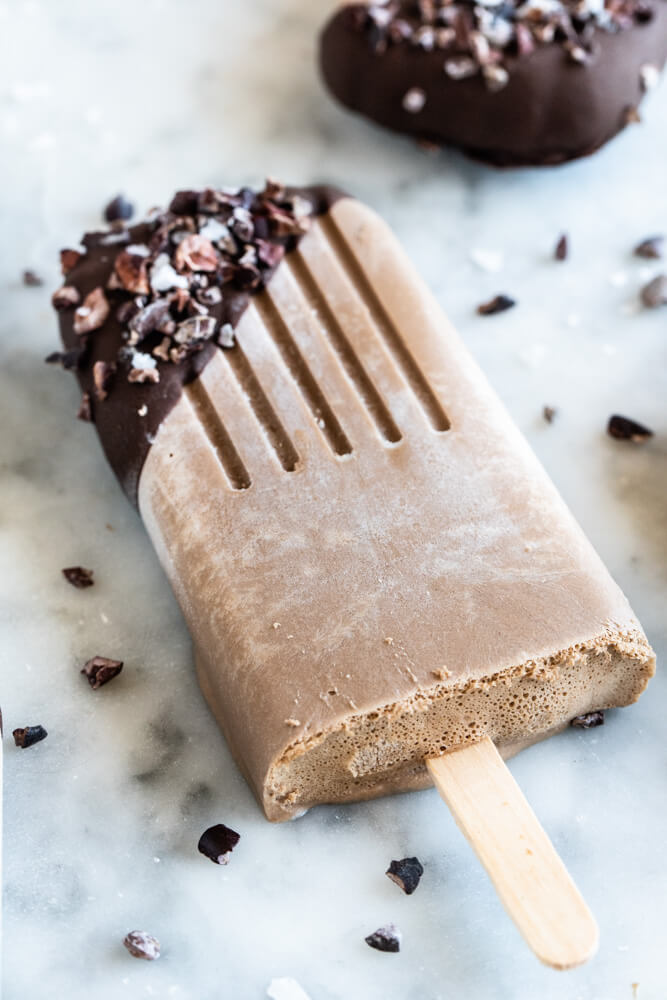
x: 551, y: 110
x: 129, y: 418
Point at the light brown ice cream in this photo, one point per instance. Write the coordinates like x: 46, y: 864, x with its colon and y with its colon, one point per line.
x: 373, y: 564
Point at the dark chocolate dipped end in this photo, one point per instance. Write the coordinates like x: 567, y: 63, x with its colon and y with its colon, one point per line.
x: 145, y: 308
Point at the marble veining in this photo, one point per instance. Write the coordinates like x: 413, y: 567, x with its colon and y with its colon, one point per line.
x: 102, y: 818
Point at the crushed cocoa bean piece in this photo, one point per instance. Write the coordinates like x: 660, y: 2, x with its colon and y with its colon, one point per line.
x: 119, y: 208
x: 209, y: 296
x: 143, y: 375
x: 142, y: 945
x: 406, y: 873
x: 549, y: 413
x: 69, y: 259
x: 196, y: 253
x: 162, y: 349
x: 631, y: 115
x: 143, y: 367
x: 67, y: 359
x: 131, y: 271
x: 92, y: 313
x: 654, y: 294
x: 270, y: 253
x: 652, y: 248
x: 588, y: 721
x: 217, y: 843
x: 79, y: 577
x: 100, y: 670
x: 103, y: 372
x: 562, y: 248
x: 195, y: 328
x: 625, y: 429
x: 65, y: 298
x: 167, y: 286
x: 490, y: 34
x: 148, y: 319
x: 28, y: 736
x: 31, y: 279
x: 385, y: 939
x: 498, y: 304
x: 84, y: 411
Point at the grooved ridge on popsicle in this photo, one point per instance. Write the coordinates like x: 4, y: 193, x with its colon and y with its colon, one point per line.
x: 335, y: 334
x: 411, y: 371
x: 313, y: 396
x: 216, y: 432
x: 261, y: 406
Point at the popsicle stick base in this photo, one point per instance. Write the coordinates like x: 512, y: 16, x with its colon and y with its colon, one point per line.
x: 530, y: 878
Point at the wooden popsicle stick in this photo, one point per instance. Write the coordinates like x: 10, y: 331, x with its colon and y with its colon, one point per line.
x: 533, y: 883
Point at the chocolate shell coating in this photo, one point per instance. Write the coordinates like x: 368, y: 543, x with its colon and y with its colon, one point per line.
x: 551, y: 110
x: 130, y: 414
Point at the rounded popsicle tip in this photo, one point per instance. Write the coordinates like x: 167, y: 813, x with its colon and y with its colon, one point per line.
x: 571, y: 950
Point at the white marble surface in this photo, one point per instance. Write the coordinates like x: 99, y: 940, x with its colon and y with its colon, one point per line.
x: 102, y: 819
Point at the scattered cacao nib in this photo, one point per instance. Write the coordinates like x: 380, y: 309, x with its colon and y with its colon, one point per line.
x: 217, y: 843
x: 195, y: 328
x: 196, y: 253
x: 652, y: 248
x: 132, y: 272
x: 100, y: 670
x: 270, y: 253
x: 626, y: 429
x: 213, y: 296
x: 562, y: 248
x: 65, y: 298
x: 68, y: 359
x: 486, y: 35
x: 654, y: 294
x: 406, y: 873
x: 146, y: 320
x: 103, y: 372
x: 31, y: 279
x: 79, y: 577
x: 27, y: 737
x: 119, y: 208
x: 588, y: 721
x: 385, y: 939
x: 172, y: 283
x: 142, y: 945
x: 184, y: 203
x: 549, y: 413
x: 498, y: 304
x: 631, y: 115
x: 85, y: 412
x: 92, y: 313
x: 143, y: 375
x: 69, y: 259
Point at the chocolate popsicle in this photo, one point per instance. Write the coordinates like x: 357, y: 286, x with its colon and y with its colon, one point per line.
x: 373, y: 564
x: 512, y: 83
x: 375, y: 569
